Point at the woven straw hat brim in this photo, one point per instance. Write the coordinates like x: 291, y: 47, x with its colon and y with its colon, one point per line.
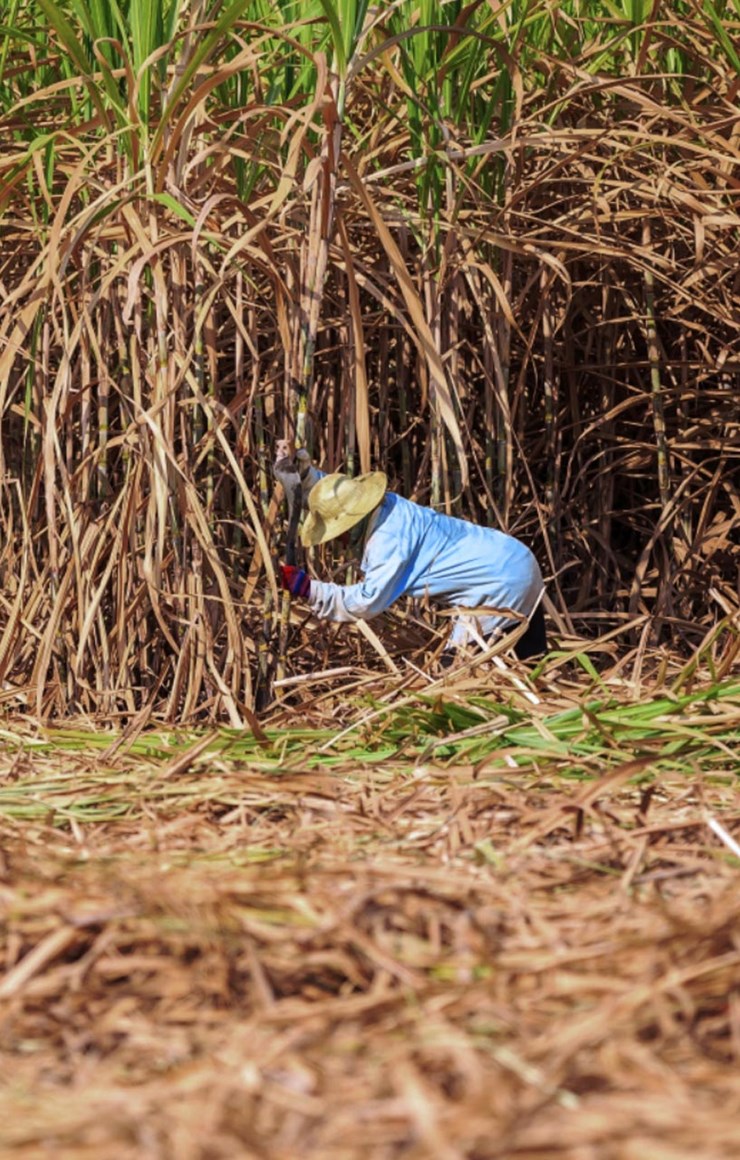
x: 331, y: 514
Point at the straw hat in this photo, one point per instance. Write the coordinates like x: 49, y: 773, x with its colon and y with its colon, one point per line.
x: 336, y: 503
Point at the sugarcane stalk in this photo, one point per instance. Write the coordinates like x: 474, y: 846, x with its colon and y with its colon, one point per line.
x: 550, y: 388
x: 238, y: 540
x: 291, y: 482
x: 403, y: 372
x: 103, y: 482
x: 432, y: 313
x: 505, y: 457
x: 198, y: 357
x: 314, y: 260
x: 656, y: 387
x: 85, y: 386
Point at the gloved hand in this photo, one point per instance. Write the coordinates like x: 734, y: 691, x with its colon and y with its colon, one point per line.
x: 295, y: 580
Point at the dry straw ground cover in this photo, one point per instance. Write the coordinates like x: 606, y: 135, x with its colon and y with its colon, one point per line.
x: 470, y: 919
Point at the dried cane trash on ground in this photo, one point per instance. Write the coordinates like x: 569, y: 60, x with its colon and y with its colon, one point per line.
x: 451, y: 923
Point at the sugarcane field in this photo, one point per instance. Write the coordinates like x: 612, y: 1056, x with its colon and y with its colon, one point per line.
x: 370, y: 579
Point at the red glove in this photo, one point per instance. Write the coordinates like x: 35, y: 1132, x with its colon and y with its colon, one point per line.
x: 295, y: 580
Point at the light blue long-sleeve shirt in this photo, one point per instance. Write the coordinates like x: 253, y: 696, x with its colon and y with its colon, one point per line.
x: 415, y: 551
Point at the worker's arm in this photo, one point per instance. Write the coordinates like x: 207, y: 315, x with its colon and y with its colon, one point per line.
x: 387, y: 569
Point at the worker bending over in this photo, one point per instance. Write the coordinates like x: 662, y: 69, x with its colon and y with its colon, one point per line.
x: 414, y: 551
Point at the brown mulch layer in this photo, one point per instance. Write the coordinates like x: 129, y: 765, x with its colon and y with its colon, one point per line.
x: 369, y: 962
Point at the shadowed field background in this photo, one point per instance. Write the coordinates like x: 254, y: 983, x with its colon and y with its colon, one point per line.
x: 491, y: 249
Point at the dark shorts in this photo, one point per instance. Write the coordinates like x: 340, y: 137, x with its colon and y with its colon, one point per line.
x: 534, y: 641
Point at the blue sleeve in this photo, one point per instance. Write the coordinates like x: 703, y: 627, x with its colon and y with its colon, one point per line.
x: 386, y: 578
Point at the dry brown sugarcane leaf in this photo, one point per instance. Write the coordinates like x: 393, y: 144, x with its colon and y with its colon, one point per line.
x: 47, y: 261
x: 152, y: 564
x: 668, y: 515
x: 180, y: 679
x: 167, y: 144
x: 587, y: 797
x: 414, y: 305
x: 150, y: 252
x: 239, y: 476
x: 314, y: 249
x: 49, y: 639
x: 48, y: 948
x: 382, y: 296
x: 471, y: 263
x: 255, y: 567
x: 364, y: 628
x: 84, y: 223
x: 199, y: 522
x: 362, y: 404
x: 93, y: 605
x: 423, y: 1112
x: 303, y: 118
x: 14, y: 621
x: 228, y: 699
x: 21, y: 324
x: 263, y: 257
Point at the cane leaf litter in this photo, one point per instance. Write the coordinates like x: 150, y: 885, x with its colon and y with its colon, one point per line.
x: 471, y: 926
